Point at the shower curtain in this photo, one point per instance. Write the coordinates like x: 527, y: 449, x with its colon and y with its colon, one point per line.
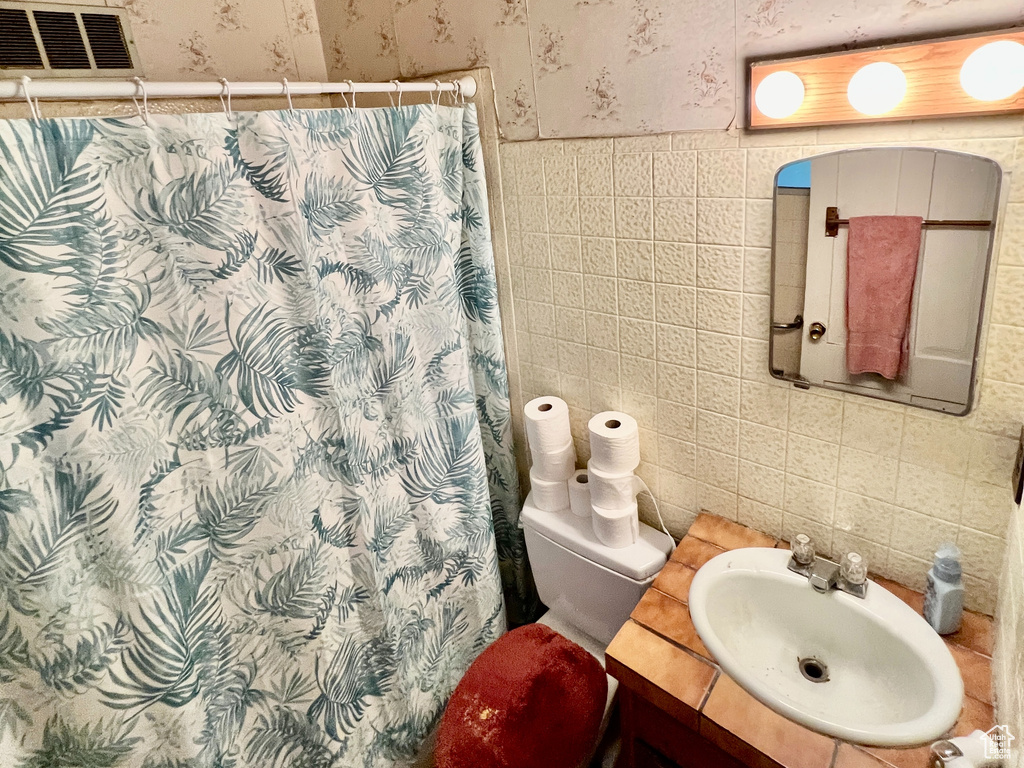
x: 257, y: 494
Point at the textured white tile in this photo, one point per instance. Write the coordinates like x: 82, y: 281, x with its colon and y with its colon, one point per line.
x: 718, y: 432
x: 1007, y: 307
x: 981, y: 553
x: 864, y: 517
x: 986, y: 508
x: 872, y: 554
x: 599, y: 293
x: 634, y: 218
x: 675, y: 219
x: 821, y: 534
x: 721, y: 172
x: 533, y: 215
x: 635, y: 259
x: 764, y: 404
x: 717, y: 393
x: 1001, y: 407
x: 719, y: 311
x: 563, y: 215
x: 763, y: 445
x: 756, y: 315
x: 720, y: 267
x: 538, y: 285
x: 636, y: 299
x: 599, y: 256
x: 813, y: 459
x: 810, y: 500
x: 595, y: 176
x: 718, y: 353
x: 762, y: 165
x: 761, y: 483
x: 560, y: 175
x: 570, y: 324
x: 675, y: 263
x: 566, y: 253
x: 678, y: 490
x: 934, y: 441
x: 867, y: 474
x: 867, y: 428
x: 638, y: 375
x: 661, y: 142
x: 992, y: 459
x: 757, y: 270
x: 637, y: 337
x: 1011, y: 249
x: 717, y: 469
x: 604, y: 366
x: 602, y: 330
x: 758, y: 226
x: 568, y: 289
x: 717, y: 501
x: 918, y: 535
x: 676, y: 345
x: 677, y: 421
x: 1004, y: 357
x: 597, y: 216
x: 760, y: 517
x: 542, y: 318
x: 675, y: 174
x: 816, y: 415
x: 677, y: 383
x: 572, y: 360
x: 755, y: 361
x: 633, y: 174
x: 675, y: 304
x: 720, y: 222
x: 930, y: 492
x: 905, y: 569
x: 677, y: 456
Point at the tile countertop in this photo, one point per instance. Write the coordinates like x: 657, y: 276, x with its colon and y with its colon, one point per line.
x: 658, y: 655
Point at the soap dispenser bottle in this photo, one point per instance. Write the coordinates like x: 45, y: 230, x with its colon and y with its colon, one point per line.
x: 944, y: 593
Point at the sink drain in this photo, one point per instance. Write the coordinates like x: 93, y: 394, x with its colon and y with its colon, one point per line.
x: 813, y: 669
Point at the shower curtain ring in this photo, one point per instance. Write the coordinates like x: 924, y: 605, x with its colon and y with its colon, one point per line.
x: 226, y: 102
x: 437, y: 90
x: 352, y: 90
x: 142, y: 111
x: 33, y: 108
x: 398, y: 90
x: 288, y: 93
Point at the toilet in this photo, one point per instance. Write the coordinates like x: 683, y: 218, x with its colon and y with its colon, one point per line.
x: 590, y: 589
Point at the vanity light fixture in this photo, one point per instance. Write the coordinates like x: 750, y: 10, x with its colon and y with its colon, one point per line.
x: 965, y: 75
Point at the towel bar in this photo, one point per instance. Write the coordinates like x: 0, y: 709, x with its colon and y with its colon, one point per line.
x: 798, y: 322
x: 833, y: 222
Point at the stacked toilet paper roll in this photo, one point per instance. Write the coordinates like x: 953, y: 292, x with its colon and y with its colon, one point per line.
x: 579, y: 493
x: 552, y: 451
x: 614, y: 455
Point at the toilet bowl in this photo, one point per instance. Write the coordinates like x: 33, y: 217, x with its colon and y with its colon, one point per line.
x: 590, y: 589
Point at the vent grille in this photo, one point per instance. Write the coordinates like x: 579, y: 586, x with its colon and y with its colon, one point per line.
x: 18, y: 47
x: 106, y: 39
x: 50, y: 40
x: 62, y: 40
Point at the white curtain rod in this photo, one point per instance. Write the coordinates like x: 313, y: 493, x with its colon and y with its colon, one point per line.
x: 86, y: 90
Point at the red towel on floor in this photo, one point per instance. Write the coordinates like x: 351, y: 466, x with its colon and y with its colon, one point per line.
x: 881, y: 265
x: 533, y: 699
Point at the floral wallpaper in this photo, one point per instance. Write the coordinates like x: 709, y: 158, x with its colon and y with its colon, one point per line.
x: 236, y: 39
x: 574, y: 68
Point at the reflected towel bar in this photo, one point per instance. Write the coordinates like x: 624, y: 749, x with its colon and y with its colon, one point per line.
x: 833, y: 222
x: 798, y: 322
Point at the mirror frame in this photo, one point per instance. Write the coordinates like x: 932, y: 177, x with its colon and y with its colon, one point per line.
x: 987, y: 282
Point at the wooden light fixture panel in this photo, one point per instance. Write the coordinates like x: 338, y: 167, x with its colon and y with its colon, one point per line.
x: 932, y: 70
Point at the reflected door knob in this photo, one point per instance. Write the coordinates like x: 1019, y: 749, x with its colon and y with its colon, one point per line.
x: 816, y: 331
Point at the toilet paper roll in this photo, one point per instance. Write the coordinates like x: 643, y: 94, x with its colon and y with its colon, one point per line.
x: 616, y: 528
x: 556, y: 465
x: 614, y: 442
x: 547, y: 424
x: 579, y: 493
x: 612, y: 491
x: 549, y: 495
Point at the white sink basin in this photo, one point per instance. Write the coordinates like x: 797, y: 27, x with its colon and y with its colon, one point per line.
x: 891, y: 681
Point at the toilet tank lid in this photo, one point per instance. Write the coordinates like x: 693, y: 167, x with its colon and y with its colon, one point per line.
x: 638, y: 561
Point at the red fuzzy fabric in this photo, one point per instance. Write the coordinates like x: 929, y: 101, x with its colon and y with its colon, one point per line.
x: 533, y: 699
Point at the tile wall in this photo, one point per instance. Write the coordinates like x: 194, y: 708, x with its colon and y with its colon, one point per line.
x: 639, y: 281
x: 1008, y: 661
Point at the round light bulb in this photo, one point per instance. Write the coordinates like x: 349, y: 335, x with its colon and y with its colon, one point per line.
x: 877, y: 88
x: 995, y: 71
x: 779, y: 95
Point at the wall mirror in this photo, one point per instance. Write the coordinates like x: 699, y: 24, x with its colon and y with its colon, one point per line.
x: 888, y: 305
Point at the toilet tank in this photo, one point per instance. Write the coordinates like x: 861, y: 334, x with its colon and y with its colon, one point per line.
x: 587, y: 584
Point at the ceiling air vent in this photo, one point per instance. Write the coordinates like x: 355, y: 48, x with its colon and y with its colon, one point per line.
x: 50, y: 40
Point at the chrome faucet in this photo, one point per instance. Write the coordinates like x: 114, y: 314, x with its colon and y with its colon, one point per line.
x: 850, y: 575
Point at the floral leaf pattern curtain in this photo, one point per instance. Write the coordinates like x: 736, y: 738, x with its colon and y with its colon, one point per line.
x: 257, y: 493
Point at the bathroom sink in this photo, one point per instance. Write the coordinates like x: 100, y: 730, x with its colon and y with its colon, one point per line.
x: 869, y: 670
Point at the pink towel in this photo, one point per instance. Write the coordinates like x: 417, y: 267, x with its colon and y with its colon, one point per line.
x: 881, y: 264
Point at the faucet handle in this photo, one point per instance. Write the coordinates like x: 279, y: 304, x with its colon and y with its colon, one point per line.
x: 803, y: 549
x: 853, y: 568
